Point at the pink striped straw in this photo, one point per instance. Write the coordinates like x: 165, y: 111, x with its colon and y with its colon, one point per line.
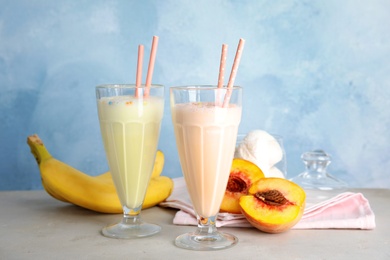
x: 138, y: 77
x: 152, y: 59
x: 222, y: 64
x: 236, y: 63
x: 233, y: 73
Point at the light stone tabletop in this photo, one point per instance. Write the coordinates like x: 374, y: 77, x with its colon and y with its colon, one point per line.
x: 35, y: 226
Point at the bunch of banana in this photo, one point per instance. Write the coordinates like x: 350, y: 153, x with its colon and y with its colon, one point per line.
x: 98, y: 193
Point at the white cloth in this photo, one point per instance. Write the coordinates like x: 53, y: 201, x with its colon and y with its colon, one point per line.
x: 345, y: 211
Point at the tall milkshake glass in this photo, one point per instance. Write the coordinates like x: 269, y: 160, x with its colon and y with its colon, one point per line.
x: 206, y: 130
x: 130, y: 119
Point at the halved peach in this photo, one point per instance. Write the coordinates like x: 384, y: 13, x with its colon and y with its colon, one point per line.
x: 243, y: 174
x: 273, y: 205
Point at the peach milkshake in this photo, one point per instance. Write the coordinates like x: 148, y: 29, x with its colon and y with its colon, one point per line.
x: 206, y: 132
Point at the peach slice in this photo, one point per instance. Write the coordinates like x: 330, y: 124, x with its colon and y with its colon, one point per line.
x: 273, y: 205
x: 243, y: 174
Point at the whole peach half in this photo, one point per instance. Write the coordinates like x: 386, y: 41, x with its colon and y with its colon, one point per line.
x: 273, y: 205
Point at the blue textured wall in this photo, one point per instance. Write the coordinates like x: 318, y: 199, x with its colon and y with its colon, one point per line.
x: 315, y: 72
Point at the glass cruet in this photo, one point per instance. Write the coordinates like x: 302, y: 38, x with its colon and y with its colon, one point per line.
x: 316, y: 180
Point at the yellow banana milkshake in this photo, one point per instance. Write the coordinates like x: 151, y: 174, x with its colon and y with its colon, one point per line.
x: 130, y: 119
x: 130, y: 129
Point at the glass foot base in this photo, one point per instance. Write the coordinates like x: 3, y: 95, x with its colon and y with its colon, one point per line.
x: 214, y: 241
x: 129, y: 231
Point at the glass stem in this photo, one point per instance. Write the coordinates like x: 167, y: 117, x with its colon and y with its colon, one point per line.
x: 131, y: 216
x: 206, y: 226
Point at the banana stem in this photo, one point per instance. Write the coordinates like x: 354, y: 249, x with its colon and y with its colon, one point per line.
x: 38, y: 149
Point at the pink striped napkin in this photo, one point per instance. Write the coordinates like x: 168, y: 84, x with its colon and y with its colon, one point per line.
x: 346, y: 210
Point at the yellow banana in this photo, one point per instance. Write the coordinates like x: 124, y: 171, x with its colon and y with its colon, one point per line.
x: 52, y: 192
x: 68, y: 184
x: 158, y: 164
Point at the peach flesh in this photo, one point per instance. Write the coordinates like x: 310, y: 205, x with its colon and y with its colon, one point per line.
x: 273, y: 205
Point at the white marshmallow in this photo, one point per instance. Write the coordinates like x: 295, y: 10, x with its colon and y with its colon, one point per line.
x: 262, y: 149
x: 274, y: 172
